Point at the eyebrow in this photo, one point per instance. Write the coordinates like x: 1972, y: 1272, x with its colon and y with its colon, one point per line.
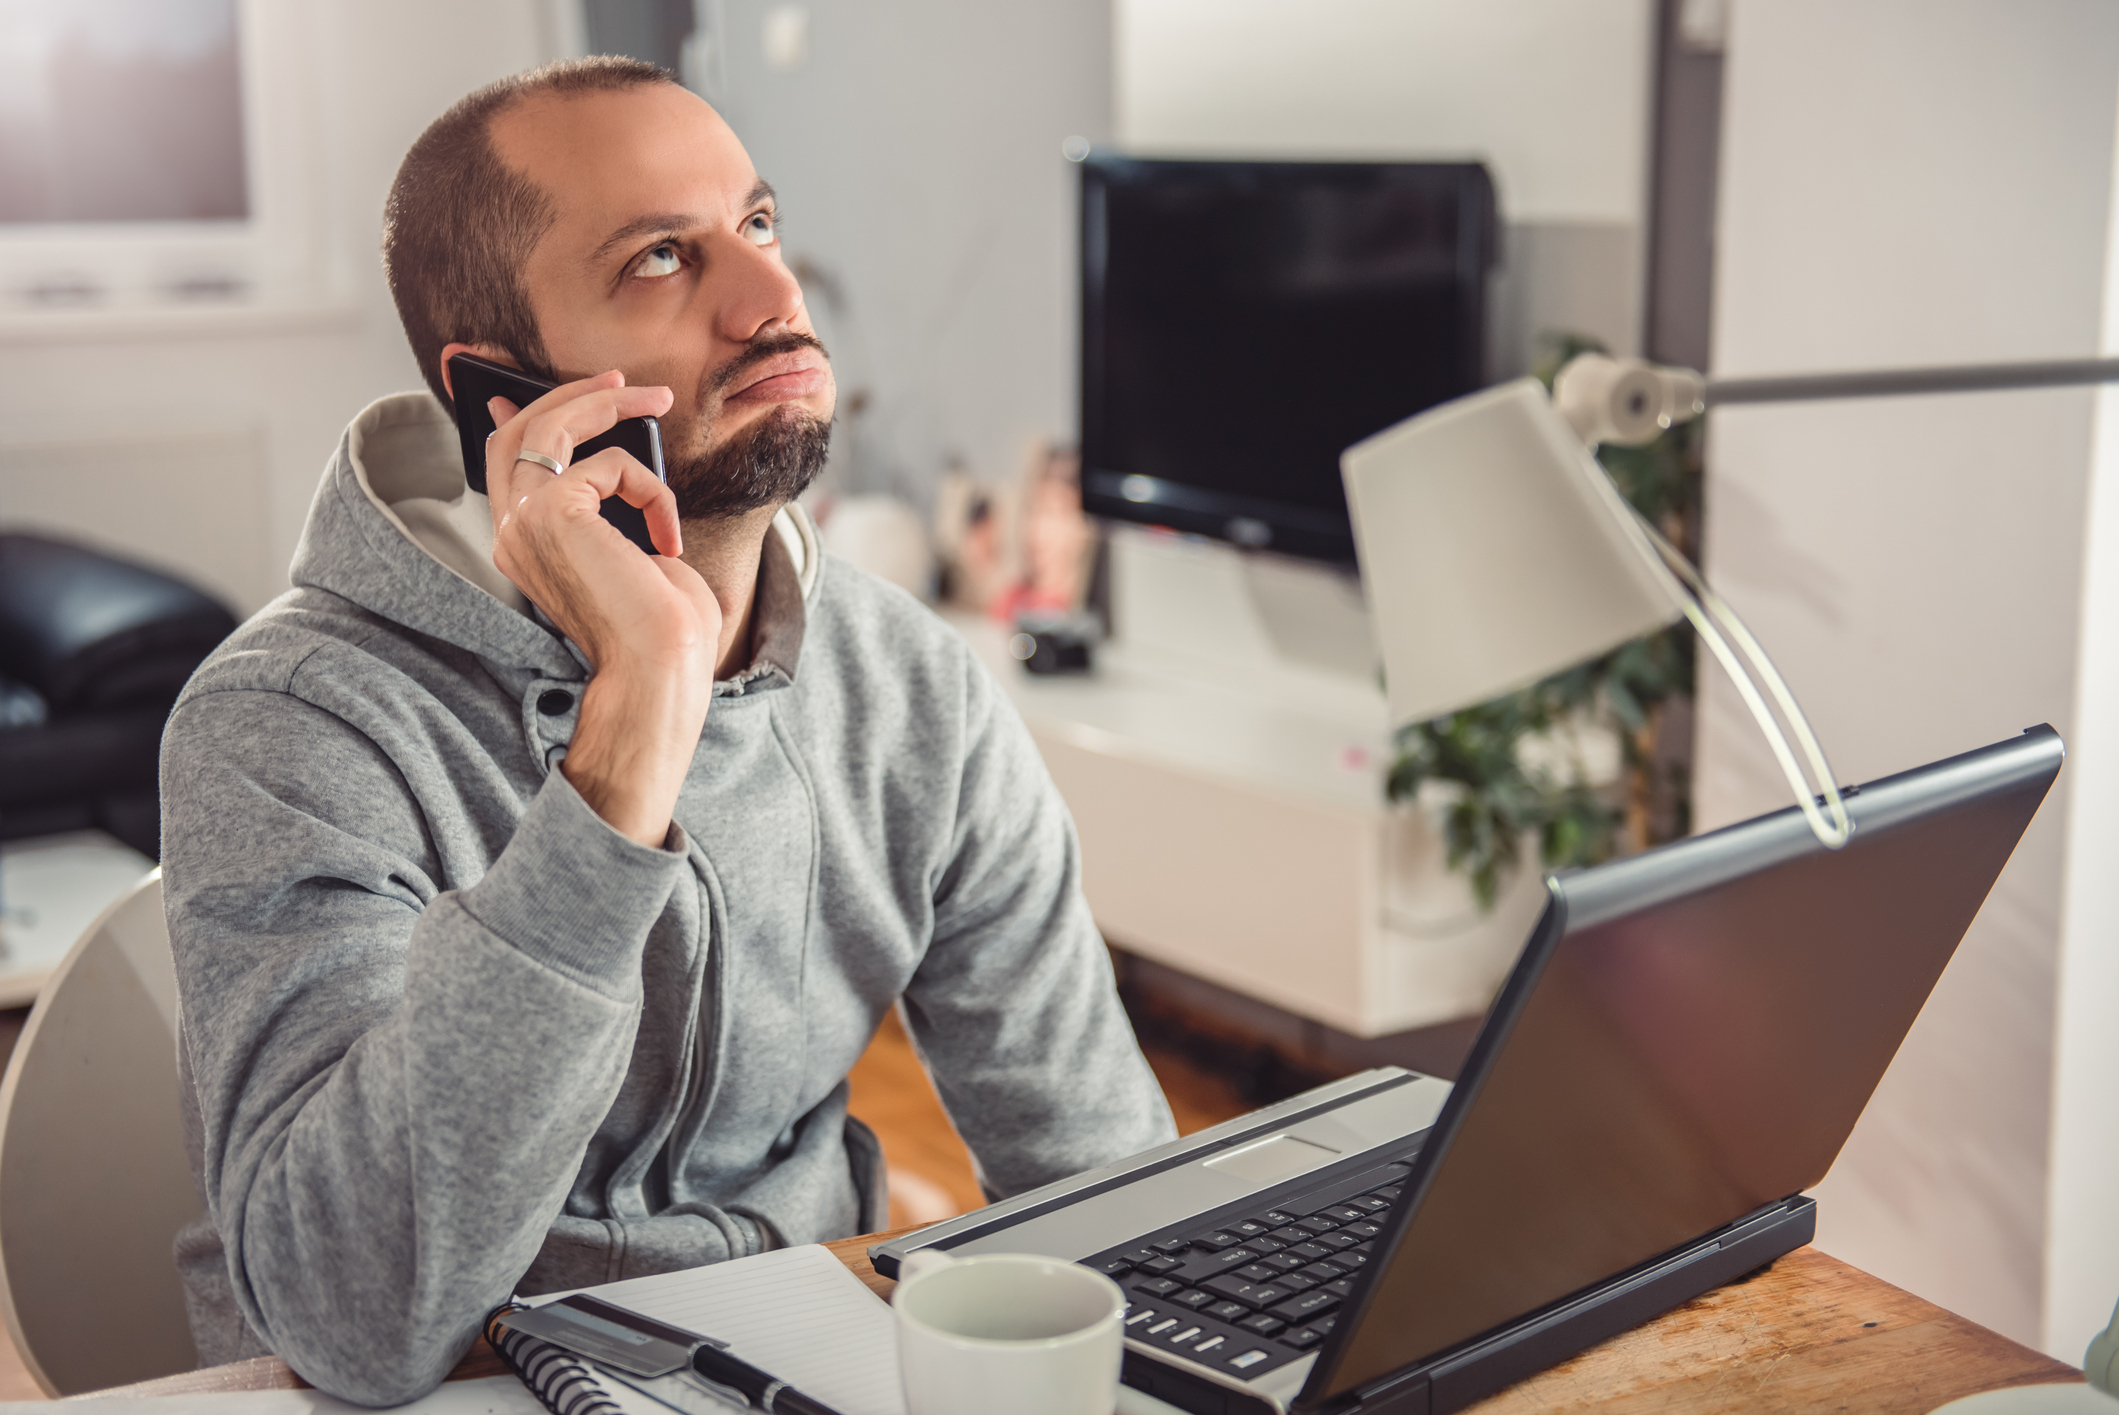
x: 667, y: 223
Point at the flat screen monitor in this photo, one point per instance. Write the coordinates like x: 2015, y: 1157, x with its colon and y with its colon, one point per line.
x: 1245, y: 322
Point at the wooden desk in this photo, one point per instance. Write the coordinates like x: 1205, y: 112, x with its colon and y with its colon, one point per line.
x: 1809, y: 1333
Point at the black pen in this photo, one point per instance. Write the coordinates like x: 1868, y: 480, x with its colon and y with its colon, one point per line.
x: 764, y: 1392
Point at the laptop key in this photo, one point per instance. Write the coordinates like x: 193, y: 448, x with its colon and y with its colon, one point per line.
x: 1324, y: 1272
x: 1290, y: 1234
x: 1212, y: 1343
x: 1389, y: 1191
x: 1191, y: 1297
x: 1251, y: 1294
x: 1157, y: 1286
x: 1302, y: 1338
x: 1251, y: 1228
x: 1316, y: 1223
x: 1172, y: 1245
x: 1249, y: 1359
x: 1277, y: 1217
x: 1364, y: 1228
x: 1145, y: 1314
x: 1339, y: 1287
x: 1296, y: 1282
x: 1343, y: 1212
x: 1257, y: 1272
x: 1329, y: 1240
x: 1216, y: 1241
x: 1235, y: 1257
x: 1305, y: 1306
x: 1223, y: 1311
x: 1352, y: 1259
x: 1327, y: 1324
x: 1159, y: 1266
x: 1266, y: 1244
x: 1113, y: 1267
x: 1179, y: 1338
x: 1281, y: 1262
x: 1370, y: 1202
x: 1265, y: 1324
x: 1311, y: 1251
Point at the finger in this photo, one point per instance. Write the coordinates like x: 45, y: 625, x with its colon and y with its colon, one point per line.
x: 501, y: 462
x: 694, y: 587
x: 602, y: 401
x: 616, y: 472
x: 556, y: 430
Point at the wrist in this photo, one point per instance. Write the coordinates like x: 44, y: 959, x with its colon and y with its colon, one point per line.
x: 633, y: 745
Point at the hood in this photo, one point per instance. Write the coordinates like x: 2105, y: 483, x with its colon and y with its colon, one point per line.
x: 395, y: 529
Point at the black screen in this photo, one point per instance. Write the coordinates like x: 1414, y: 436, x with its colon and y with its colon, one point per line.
x: 1245, y: 322
x: 1690, y: 1037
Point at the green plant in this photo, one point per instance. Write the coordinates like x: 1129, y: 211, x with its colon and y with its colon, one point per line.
x: 1498, y: 798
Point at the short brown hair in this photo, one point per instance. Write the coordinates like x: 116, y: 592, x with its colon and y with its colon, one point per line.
x: 460, y: 224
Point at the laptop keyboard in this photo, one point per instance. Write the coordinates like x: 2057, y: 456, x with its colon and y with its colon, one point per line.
x: 1251, y: 1288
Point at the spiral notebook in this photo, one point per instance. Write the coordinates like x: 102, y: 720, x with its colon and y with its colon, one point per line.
x: 795, y: 1312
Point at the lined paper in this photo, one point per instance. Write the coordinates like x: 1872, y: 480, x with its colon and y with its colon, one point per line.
x: 795, y: 1313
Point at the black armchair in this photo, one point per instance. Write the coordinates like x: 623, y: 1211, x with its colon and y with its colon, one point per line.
x: 93, y: 651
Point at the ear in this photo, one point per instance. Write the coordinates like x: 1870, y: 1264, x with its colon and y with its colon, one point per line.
x: 484, y: 351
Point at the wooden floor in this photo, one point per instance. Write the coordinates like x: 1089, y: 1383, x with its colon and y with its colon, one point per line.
x: 930, y: 1171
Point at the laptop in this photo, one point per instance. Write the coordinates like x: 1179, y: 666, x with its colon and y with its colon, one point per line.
x: 1680, y: 1051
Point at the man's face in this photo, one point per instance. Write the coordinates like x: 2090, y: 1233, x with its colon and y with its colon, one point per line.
x: 662, y: 261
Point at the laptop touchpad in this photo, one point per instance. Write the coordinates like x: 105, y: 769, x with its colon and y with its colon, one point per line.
x: 1268, y: 1160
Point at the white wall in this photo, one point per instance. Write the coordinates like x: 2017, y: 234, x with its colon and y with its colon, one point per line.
x: 2082, y: 1243
x: 1914, y: 182
x: 251, y: 405
x: 1554, y: 95
x: 917, y: 157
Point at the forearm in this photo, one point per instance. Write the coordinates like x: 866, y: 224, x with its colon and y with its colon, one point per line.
x: 639, y: 725
x: 393, y: 1119
x: 418, y: 1181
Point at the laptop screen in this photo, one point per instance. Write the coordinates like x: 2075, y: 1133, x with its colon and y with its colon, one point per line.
x: 1690, y: 1035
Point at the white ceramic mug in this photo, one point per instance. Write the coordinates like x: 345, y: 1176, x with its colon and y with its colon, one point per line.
x: 1007, y: 1332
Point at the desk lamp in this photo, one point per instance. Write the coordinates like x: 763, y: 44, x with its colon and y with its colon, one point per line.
x: 1495, y: 551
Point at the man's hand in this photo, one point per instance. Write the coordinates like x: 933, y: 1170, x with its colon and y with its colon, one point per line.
x: 648, y: 624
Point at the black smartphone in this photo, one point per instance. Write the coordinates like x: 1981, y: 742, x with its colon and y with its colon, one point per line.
x: 476, y: 381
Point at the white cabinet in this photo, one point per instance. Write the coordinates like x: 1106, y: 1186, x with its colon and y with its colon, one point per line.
x: 1231, y: 808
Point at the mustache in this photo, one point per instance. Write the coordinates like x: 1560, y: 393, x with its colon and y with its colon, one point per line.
x: 726, y: 376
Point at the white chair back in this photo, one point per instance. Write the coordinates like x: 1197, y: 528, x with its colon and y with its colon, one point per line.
x: 94, y: 1183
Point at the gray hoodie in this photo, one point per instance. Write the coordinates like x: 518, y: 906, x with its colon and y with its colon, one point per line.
x: 448, y: 1036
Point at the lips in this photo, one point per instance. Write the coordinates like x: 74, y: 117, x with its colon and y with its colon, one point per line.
x: 781, y: 378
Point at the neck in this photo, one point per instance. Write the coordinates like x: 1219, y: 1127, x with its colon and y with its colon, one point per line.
x: 726, y: 551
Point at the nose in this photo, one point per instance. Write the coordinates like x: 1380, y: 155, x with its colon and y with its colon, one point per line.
x: 760, y: 295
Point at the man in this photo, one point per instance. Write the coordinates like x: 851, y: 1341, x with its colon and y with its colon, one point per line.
x: 531, y: 897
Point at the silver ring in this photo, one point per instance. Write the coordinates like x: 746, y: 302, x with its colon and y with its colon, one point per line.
x: 526, y: 455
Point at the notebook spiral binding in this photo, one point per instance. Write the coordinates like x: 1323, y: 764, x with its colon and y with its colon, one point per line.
x: 566, y: 1384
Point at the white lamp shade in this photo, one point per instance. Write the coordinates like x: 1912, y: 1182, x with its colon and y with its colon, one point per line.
x: 1495, y: 551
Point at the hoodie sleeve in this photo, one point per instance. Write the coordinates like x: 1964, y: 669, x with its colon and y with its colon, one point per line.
x: 1014, y: 1007
x: 396, y: 1083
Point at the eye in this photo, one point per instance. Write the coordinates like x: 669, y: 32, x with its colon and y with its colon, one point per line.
x: 662, y: 260
x: 758, y: 228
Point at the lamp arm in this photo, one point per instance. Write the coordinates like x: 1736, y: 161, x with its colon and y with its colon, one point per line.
x: 1710, y: 615
x: 1877, y: 383
x: 1630, y: 401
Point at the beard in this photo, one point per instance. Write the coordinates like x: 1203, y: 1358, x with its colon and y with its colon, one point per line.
x: 768, y: 464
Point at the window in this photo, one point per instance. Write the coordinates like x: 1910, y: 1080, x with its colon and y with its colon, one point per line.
x: 158, y: 156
